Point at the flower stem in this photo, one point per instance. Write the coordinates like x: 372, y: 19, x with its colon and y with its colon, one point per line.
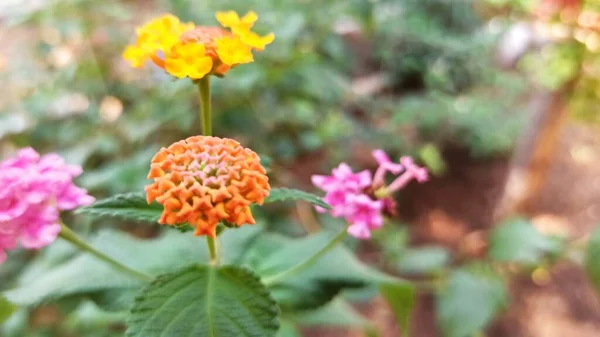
x: 213, y: 250
x: 308, y: 262
x: 67, y: 234
x: 205, y: 109
x: 206, y: 119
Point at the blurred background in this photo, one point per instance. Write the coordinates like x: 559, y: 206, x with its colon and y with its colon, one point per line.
x: 498, y: 98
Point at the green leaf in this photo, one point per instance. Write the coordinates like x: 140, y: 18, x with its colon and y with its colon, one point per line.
x: 433, y: 159
x: 204, y: 301
x: 288, y: 329
x: 592, y: 259
x: 317, y: 285
x: 89, y: 318
x: 516, y: 240
x: 7, y: 309
x: 129, y: 207
x: 283, y: 194
x: 471, y: 300
x: 338, y: 313
x: 423, y: 260
x: 400, y: 296
x: 84, y: 274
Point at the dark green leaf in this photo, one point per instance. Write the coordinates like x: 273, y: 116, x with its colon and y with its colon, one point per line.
x: 204, y: 301
x: 400, y: 296
x: 288, y: 194
x: 129, y: 207
x: 337, y: 270
x: 6, y: 309
x: 592, y: 259
x: 517, y: 240
x: 471, y: 300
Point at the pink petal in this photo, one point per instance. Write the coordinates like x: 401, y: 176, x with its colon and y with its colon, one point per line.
x: 34, y: 190
x: 359, y: 231
x: 364, y: 179
x: 381, y: 157
x: 342, y: 171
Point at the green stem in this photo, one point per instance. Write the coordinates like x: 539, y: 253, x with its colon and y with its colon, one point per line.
x: 205, y: 109
x: 67, y: 234
x: 213, y: 250
x: 308, y: 262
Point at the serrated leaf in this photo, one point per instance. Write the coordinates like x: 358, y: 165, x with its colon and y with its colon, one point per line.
x: 472, y: 298
x: 289, y: 194
x: 7, y: 309
x: 129, y: 207
x: 516, y: 240
x: 400, y: 296
x: 592, y: 259
x: 200, y: 300
x: 84, y: 274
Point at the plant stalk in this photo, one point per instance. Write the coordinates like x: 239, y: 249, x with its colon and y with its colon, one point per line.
x: 67, y: 234
x: 213, y: 250
x: 205, y: 108
x: 206, y: 120
x: 269, y: 281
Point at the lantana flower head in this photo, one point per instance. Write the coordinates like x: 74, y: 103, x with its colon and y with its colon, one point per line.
x: 34, y: 190
x: 186, y: 50
x: 205, y: 180
x: 363, y: 200
x: 342, y: 183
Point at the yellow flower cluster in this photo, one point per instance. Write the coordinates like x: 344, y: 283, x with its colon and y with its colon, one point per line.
x: 187, y: 50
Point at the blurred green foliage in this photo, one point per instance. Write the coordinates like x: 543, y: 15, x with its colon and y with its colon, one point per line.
x: 71, y: 92
x: 68, y: 90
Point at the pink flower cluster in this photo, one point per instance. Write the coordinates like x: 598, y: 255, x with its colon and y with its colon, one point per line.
x: 361, y: 198
x: 33, y: 189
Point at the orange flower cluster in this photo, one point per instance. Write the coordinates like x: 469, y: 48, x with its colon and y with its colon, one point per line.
x: 204, y: 180
x: 186, y: 50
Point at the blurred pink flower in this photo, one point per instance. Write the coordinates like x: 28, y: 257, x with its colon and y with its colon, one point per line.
x: 34, y: 189
x: 339, y: 185
x: 412, y: 171
x: 342, y: 177
x: 355, y: 197
x: 385, y: 165
x: 363, y: 215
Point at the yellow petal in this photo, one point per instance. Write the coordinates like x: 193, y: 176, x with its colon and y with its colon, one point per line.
x: 232, y: 51
x: 188, y: 60
x: 254, y: 40
x: 135, y: 56
x: 175, y: 67
x: 249, y: 19
x: 231, y: 19
x: 161, y: 34
x: 228, y: 19
x: 202, y: 66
